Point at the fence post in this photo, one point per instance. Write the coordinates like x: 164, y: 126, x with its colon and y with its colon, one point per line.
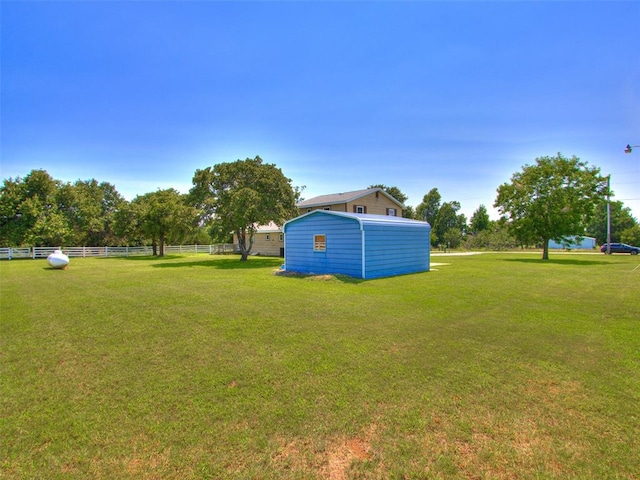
x: 106, y: 251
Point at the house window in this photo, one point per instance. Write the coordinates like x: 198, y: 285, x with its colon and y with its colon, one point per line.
x: 319, y: 243
x: 268, y: 237
x: 281, y: 237
x: 391, y: 212
x: 327, y: 208
x: 359, y: 209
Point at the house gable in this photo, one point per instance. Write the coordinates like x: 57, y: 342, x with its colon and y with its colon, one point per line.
x: 373, y: 201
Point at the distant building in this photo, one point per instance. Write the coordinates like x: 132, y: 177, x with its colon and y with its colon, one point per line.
x: 574, y: 243
x: 268, y: 240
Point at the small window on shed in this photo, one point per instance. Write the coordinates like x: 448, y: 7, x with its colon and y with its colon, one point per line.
x: 319, y: 243
x: 281, y: 237
x: 267, y: 237
x: 391, y: 212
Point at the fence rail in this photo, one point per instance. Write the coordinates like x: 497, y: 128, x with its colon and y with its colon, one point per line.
x: 9, y: 253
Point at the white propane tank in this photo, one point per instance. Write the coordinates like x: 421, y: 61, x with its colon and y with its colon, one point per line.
x: 58, y: 259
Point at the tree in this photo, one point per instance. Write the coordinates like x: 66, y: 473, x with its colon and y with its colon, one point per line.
x: 164, y: 216
x: 452, y: 237
x: 496, y: 237
x: 90, y: 208
x: 631, y: 235
x: 428, y: 209
x: 242, y: 195
x: 29, y: 214
x: 448, y: 226
x: 552, y: 199
x: 479, y: 220
x: 621, y: 220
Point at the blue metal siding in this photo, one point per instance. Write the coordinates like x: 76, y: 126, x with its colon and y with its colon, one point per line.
x: 396, y: 250
x: 343, y: 253
x: 390, y: 245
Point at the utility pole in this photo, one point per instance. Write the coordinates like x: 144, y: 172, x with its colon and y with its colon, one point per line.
x: 609, y: 215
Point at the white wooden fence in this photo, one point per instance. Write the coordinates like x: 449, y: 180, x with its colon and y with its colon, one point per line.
x: 8, y: 253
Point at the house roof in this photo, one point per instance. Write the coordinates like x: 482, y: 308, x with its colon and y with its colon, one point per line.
x: 270, y: 228
x: 344, y: 197
x: 365, y: 219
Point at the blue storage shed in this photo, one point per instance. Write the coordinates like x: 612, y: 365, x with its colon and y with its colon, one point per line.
x: 356, y: 244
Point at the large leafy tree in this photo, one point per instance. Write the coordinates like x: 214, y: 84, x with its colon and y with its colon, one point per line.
x: 552, y: 199
x: 479, y: 220
x: 631, y: 235
x: 29, y: 213
x: 237, y: 197
x: 91, y: 208
x: 163, y: 216
x: 449, y: 227
x: 429, y: 207
x: 621, y: 220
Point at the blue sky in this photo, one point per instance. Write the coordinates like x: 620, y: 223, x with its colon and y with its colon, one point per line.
x: 339, y: 95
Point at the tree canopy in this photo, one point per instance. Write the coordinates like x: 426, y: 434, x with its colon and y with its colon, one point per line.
x: 428, y: 209
x: 621, y: 220
x: 38, y: 210
x: 163, y: 216
x: 242, y: 195
x: 552, y: 199
x: 479, y: 220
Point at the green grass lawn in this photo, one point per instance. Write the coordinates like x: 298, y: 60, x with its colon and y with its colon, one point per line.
x: 494, y: 366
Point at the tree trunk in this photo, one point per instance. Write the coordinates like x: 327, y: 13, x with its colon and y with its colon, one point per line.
x: 242, y: 243
x: 162, y: 245
x: 545, y: 249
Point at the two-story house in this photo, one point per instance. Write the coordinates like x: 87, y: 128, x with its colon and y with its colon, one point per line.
x: 269, y: 239
x: 373, y: 201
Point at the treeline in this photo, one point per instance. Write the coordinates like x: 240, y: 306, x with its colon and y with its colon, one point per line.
x: 38, y: 210
x: 480, y: 232
x: 451, y: 229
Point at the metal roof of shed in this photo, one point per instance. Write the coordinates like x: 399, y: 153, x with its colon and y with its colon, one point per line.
x: 365, y: 219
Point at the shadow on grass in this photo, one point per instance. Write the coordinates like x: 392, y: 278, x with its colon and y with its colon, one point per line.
x: 321, y: 277
x: 145, y: 258
x: 233, y: 263
x: 558, y: 261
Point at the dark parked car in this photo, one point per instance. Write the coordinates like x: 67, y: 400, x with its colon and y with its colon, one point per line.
x: 620, y: 248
